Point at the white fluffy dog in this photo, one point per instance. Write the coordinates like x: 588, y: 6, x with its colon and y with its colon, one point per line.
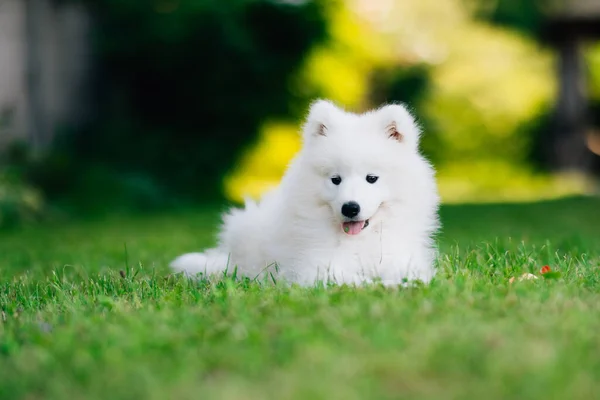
x: 358, y: 204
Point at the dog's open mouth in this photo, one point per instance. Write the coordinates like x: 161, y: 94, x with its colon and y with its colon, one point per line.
x: 354, y: 227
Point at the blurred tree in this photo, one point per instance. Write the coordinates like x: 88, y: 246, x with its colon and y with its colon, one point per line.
x: 524, y: 16
x: 476, y: 88
x: 183, y: 87
x: 560, y: 136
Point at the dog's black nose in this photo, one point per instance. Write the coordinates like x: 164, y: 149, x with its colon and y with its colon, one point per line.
x: 350, y: 209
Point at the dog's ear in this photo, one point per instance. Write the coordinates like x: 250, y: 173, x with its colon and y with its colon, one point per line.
x: 399, y: 124
x: 319, y: 117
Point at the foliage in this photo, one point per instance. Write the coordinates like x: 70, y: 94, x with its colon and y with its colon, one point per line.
x: 525, y: 16
x: 19, y: 201
x: 183, y: 88
x: 480, y: 91
x: 80, y: 318
x: 199, y: 91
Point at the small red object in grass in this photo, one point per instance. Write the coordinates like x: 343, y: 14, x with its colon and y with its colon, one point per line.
x: 545, y: 269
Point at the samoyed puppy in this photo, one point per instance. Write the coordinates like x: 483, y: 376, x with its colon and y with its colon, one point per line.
x: 358, y: 204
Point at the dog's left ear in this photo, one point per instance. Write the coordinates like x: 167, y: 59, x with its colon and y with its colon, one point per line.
x: 399, y: 124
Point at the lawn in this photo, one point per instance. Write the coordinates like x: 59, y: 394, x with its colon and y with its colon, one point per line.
x: 89, y: 311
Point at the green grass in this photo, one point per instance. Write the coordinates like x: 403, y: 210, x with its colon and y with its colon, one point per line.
x: 90, y: 311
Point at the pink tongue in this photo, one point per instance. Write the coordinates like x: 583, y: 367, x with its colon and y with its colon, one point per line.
x: 353, y: 227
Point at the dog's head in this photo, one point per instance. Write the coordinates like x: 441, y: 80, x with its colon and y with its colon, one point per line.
x: 363, y: 162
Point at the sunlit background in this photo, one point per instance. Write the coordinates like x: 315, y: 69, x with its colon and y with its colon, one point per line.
x: 118, y: 105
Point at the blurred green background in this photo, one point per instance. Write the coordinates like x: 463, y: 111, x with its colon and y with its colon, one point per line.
x: 125, y: 105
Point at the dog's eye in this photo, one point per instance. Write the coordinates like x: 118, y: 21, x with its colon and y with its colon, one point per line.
x: 336, y: 180
x: 372, y: 178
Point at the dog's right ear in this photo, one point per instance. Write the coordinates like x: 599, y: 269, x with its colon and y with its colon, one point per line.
x: 319, y: 117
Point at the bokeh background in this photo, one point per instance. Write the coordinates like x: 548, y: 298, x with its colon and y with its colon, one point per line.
x: 131, y: 105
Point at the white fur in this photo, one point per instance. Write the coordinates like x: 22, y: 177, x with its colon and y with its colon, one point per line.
x: 298, y: 226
